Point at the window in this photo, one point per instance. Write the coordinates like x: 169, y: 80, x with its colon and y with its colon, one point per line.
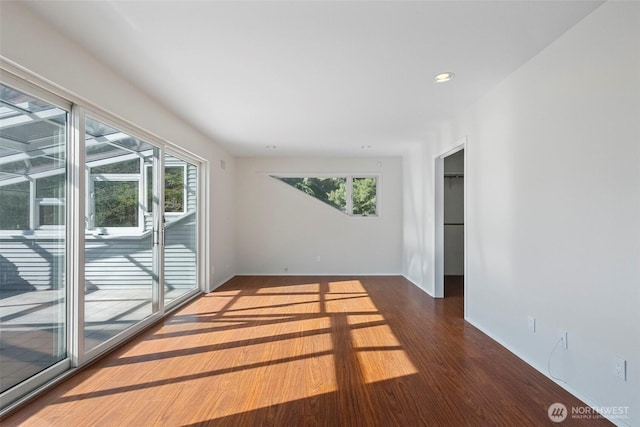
x: 332, y: 191
x: 114, y: 161
x: 19, y: 200
x: 50, y: 212
x: 14, y: 206
x: 174, y: 189
x: 364, y: 196
x: 115, y: 203
x: 49, y: 201
x: 352, y: 195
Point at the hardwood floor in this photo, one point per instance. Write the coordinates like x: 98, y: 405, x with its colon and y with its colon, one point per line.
x: 307, y: 351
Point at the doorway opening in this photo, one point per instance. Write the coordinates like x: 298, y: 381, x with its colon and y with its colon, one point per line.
x: 449, y: 223
x: 453, y: 242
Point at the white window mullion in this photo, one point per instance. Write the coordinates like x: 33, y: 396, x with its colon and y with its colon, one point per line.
x: 158, y: 229
x: 148, y: 207
x: 141, y: 195
x: 89, y: 200
x: 349, y: 195
x: 378, y: 196
x: 32, y: 204
x: 77, y: 198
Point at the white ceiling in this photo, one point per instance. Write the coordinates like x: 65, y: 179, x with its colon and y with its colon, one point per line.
x: 314, y: 77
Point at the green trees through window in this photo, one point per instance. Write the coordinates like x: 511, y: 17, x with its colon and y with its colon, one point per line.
x: 116, y: 203
x: 355, y: 196
x: 174, y: 186
x: 364, y: 196
x: 329, y: 190
x: 14, y: 204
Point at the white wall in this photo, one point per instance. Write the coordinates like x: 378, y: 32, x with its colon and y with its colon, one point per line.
x: 33, y: 44
x: 278, y: 226
x: 553, y: 207
x: 418, y: 219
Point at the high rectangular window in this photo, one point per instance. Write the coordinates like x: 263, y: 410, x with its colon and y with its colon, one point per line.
x: 351, y: 194
x: 364, y: 196
x: 330, y: 190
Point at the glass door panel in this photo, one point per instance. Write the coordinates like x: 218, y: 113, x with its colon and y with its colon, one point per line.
x: 33, y: 301
x: 181, y: 227
x: 119, y: 273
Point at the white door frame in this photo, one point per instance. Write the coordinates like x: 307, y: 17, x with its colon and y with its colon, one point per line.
x: 438, y: 218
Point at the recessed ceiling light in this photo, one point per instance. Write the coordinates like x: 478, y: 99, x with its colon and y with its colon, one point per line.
x: 443, y: 77
x: 271, y: 147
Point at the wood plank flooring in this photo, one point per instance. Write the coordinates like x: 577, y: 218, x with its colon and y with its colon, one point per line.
x: 307, y: 351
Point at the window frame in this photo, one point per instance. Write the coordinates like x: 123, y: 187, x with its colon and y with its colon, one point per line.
x: 349, y: 177
x: 37, y: 202
x: 375, y: 177
x: 91, y: 230
x: 47, y: 201
x: 91, y: 204
x: 33, y: 211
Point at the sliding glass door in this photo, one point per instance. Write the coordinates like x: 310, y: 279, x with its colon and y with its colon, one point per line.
x: 180, y: 228
x: 99, y: 234
x: 33, y: 291
x: 119, y: 239
x: 139, y: 251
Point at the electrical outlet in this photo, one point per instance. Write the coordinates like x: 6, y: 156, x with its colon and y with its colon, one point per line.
x: 531, y: 323
x: 562, y: 336
x: 318, y: 258
x: 620, y: 368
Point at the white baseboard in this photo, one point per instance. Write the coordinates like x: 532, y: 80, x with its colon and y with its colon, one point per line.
x: 419, y: 287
